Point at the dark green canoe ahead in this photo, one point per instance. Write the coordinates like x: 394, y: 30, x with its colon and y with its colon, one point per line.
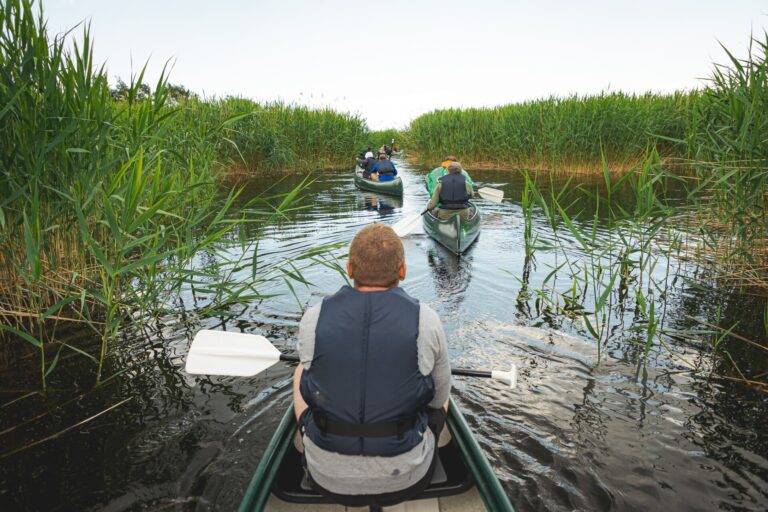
x: 456, y: 233
x: 394, y: 187
x: 466, y: 475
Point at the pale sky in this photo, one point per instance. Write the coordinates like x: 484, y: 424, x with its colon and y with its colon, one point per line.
x: 392, y: 61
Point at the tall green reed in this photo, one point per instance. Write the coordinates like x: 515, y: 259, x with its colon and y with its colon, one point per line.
x: 561, y: 134
x: 730, y: 141
x: 252, y: 137
x: 108, y: 209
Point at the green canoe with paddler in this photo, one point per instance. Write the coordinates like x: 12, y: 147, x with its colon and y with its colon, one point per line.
x: 371, y: 422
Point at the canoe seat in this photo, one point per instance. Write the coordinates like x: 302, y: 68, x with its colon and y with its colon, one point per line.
x: 450, y: 477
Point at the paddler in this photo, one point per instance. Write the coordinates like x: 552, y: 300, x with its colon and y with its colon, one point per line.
x: 371, y: 391
x: 367, y: 166
x: 452, y: 194
x: 385, y: 170
x: 438, y: 172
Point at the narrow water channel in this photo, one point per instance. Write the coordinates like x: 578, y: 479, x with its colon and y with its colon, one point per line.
x: 620, y: 433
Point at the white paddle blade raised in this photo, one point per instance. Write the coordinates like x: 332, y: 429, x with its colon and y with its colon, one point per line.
x: 230, y: 353
x: 509, y: 377
x: 491, y: 194
x: 406, y: 225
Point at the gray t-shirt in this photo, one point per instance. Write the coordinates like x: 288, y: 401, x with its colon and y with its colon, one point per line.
x: 359, y: 474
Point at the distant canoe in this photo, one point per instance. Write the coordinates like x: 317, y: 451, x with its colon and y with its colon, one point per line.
x: 394, y: 187
x: 456, y: 233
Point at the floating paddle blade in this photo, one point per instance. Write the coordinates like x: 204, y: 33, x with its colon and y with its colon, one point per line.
x: 491, y: 194
x: 406, y: 225
x: 230, y: 353
x: 509, y: 377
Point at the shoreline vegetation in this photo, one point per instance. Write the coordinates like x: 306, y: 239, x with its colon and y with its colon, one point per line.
x: 563, y: 135
x: 113, y: 199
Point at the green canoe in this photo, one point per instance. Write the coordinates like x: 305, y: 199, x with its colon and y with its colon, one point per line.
x: 464, y: 479
x: 456, y: 233
x: 394, y: 187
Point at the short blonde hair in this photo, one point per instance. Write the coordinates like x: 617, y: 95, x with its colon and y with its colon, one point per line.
x: 376, y: 256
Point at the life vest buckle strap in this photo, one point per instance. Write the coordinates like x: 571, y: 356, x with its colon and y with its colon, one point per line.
x: 383, y: 429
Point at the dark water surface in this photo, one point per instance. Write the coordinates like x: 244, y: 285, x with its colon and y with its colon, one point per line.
x: 621, y: 433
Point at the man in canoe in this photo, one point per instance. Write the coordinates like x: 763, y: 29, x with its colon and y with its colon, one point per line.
x: 371, y: 391
x: 438, y: 172
x: 367, y: 164
x: 385, y: 170
x: 452, y: 194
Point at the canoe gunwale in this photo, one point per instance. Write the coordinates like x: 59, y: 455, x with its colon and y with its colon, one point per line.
x: 487, y: 483
x: 260, y: 486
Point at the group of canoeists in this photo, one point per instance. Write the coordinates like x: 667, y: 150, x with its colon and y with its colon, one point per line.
x: 450, y: 217
x: 377, y: 167
x: 450, y: 187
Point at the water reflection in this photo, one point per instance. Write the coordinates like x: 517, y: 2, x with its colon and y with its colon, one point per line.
x: 451, y: 275
x: 382, y: 203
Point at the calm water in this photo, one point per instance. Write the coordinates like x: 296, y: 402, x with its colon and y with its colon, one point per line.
x: 621, y: 433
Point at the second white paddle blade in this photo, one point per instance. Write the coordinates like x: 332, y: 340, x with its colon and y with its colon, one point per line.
x: 406, y: 225
x: 230, y: 353
x: 491, y: 194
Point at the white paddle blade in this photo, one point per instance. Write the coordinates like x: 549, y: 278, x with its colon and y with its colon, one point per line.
x: 491, y: 194
x: 406, y: 225
x: 509, y: 377
x: 230, y: 353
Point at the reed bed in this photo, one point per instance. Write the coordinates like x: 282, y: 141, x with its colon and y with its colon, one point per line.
x: 378, y: 138
x: 558, y: 134
x: 108, y: 206
x: 250, y: 137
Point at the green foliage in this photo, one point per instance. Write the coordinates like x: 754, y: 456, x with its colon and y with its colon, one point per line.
x: 378, y: 138
x: 276, y: 136
x: 109, y: 198
x: 557, y: 133
x: 730, y: 140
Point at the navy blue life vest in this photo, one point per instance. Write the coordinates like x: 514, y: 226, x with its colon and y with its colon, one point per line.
x: 386, y: 168
x: 453, y: 192
x: 365, y: 372
x: 369, y: 163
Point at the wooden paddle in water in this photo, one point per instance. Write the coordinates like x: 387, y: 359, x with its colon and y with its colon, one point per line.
x: 245, y: 355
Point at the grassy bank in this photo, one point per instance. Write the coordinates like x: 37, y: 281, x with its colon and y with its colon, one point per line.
x: 250, y: 137
x: 560, y: 134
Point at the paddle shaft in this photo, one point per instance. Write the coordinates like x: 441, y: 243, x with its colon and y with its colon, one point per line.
x: 466, y: 372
